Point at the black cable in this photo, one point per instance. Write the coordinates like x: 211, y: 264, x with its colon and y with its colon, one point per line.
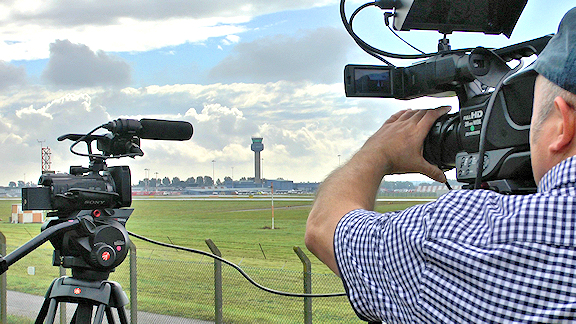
x: 377, y: 52
x: 405, y: 42
x: 358, y: 40
x: 96, y: 156
x: 366, y: 5
x: 244, y: 274
x: 387, y: 16
x: 81, y: 139
x: 483, y: 130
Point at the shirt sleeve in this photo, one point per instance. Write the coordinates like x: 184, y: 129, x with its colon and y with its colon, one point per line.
x: 469, y: 257
x: 380, y: 260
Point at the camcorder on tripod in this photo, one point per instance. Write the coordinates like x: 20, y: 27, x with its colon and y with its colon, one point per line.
x: 86, y: 225
x: 487, y: 141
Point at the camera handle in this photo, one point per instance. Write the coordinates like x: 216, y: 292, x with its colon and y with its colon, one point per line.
x: 22, y: 251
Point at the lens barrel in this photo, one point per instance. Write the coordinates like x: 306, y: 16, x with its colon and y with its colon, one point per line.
x: 442, y: 142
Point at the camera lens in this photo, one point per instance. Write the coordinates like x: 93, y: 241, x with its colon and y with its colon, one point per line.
x: 441, y: 144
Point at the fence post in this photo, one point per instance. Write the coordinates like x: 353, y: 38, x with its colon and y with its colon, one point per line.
x: 307, y: 284
x: 217, y: 282
x: 3, y: 286
x: 133, y: 285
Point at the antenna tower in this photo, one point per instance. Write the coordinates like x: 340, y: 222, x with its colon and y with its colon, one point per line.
x: 46, y: 159
x: 46, y: 156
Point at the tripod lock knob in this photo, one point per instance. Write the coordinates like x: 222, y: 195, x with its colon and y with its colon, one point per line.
x: 103, y: 255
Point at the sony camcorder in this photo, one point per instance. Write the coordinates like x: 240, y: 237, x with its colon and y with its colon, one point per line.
x: 487, y: 141
x: 100, y: 186
x: 87, y: 221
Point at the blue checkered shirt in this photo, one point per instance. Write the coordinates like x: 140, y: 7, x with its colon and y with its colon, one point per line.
x: 471, y: 256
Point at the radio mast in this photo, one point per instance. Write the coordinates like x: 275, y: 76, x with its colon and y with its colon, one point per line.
x: 46, y: 157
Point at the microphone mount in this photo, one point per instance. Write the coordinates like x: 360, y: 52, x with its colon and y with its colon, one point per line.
x: 125, y: 134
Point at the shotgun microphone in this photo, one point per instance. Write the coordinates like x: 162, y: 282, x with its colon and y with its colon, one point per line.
x: 155, y: 129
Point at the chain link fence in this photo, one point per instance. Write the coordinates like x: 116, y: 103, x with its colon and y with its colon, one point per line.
x: 170, y: 290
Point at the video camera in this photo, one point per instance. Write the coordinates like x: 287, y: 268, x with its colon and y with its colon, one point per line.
x: 487, y: 141
x: 87, y: 222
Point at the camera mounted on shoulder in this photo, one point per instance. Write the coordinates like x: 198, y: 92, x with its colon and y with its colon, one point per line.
x: 487, y: 141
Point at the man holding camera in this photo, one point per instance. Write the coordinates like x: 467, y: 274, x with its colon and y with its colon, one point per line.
x: 472, y: 255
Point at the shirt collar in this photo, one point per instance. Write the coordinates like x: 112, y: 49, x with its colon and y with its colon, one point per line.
x: 561, y: 175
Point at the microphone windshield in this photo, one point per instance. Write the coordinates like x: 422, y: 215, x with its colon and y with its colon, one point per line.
x: 169, y: 130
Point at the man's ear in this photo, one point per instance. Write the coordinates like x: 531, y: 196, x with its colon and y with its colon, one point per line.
x: 566, y: 131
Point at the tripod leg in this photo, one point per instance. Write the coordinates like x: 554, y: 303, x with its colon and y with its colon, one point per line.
x: 45, y: 305
x: 99, y: 314
x: 118, y: 301
x: 110, y: 316
x: 43, y: 311
x: 48, y: 310
x: 52, y: 311
x: 83, y: 314
x: 122, y: 315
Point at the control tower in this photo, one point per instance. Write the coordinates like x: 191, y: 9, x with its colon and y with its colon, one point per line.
x: 257, y: 147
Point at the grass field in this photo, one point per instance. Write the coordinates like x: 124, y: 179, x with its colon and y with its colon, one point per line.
x: 240, y: 229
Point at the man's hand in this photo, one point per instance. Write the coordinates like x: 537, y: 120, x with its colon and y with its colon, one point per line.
x: 399, y: 143
x: 395, y: 148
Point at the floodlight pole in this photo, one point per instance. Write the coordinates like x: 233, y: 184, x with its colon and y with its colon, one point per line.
x: 213, y: 176
x: 147, y: 179
x: 272, y: 191
x: 156, y: 184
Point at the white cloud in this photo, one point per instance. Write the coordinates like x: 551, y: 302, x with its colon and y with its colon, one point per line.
x: 85, y: 12
x: 317, y: 55
x: 125, y: 35
x: 21, y: 130
x: 305, y: 126
x: 11, y: 76
x: 231, y: 39
x: 295, y: 120
x: 125, y: 26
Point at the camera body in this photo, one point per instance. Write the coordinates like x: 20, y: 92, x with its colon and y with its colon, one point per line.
x: 76, y: 190
x: 87, y: 203
x: 454, y: 140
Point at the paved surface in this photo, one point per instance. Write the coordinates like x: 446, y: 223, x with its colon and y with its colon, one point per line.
x: 29, y: 305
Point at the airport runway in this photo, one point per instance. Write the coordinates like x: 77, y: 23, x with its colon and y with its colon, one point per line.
x: 264, y: 198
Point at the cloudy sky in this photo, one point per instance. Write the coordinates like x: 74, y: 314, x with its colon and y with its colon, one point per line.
x: 234, y: 69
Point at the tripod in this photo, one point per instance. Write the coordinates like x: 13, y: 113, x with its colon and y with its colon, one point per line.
x: 92, y: 249
x: 103, y: 294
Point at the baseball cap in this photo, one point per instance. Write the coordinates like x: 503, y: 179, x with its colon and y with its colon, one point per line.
x: 557, y: 62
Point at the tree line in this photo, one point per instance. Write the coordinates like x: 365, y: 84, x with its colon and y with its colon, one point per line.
x: 199, y: 181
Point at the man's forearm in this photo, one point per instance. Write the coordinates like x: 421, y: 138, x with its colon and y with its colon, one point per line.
x: 395, y: 148
x: 353, y: 186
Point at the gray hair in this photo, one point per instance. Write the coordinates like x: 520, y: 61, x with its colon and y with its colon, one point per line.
x: 548, y: 92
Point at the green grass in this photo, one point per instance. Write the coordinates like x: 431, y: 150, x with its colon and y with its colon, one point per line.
x: 181, y: 284
x: 19, y: 320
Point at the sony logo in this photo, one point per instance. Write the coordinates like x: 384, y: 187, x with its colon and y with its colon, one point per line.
x: 94, y: 202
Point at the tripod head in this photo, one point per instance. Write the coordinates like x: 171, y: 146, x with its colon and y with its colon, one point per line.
x: 91, y: 243
x: 93, y: 248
